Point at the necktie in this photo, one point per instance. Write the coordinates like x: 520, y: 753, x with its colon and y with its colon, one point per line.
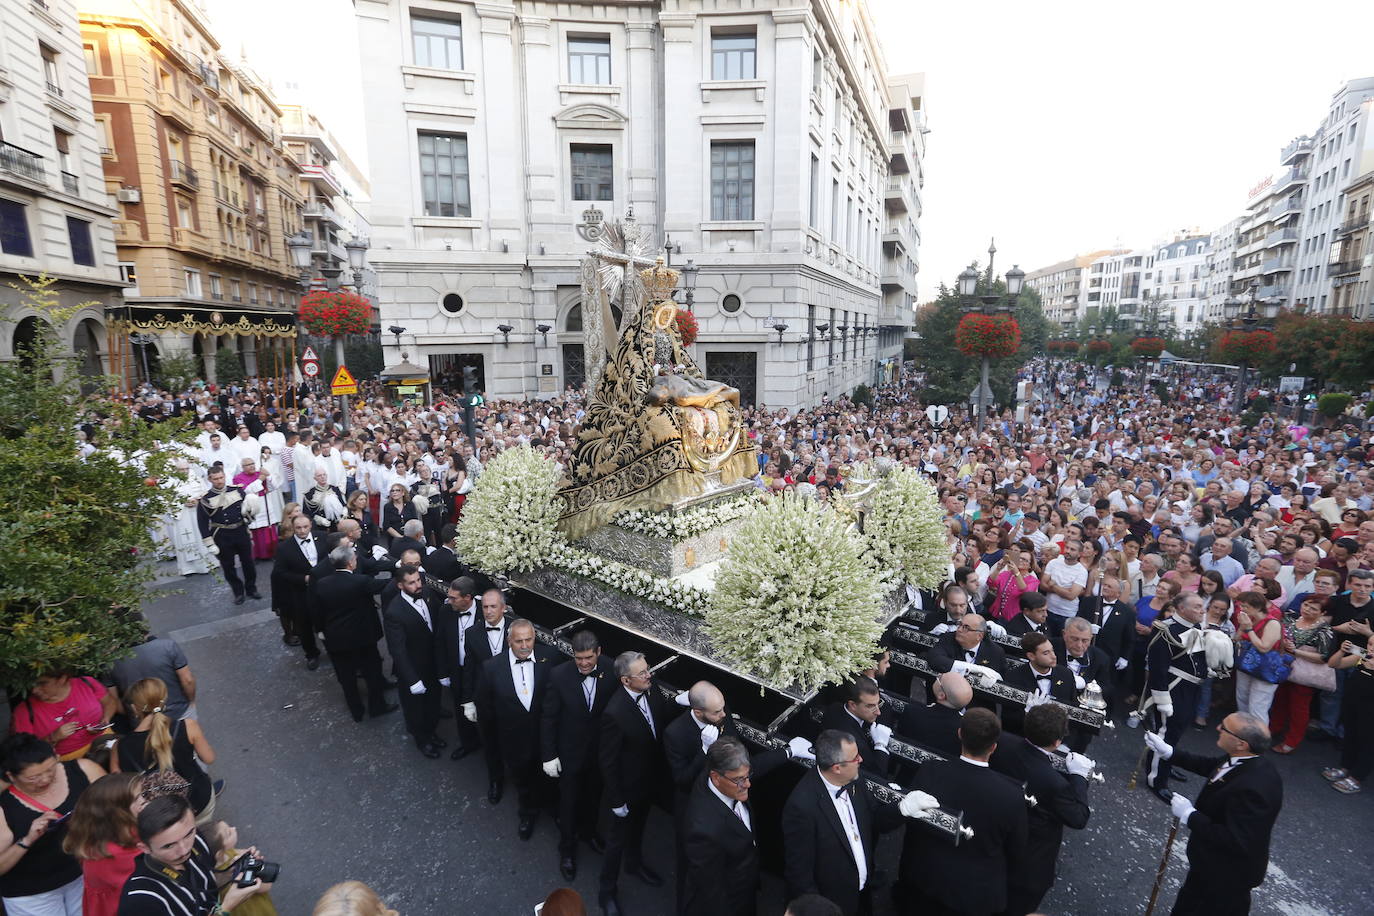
x: 589, y: 689
x: 739, y: 813
x: 493, y: 629
x: 643, y: 704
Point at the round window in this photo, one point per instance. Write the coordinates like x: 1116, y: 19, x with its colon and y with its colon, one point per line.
x: 453, y: 303
x: 730, y: 304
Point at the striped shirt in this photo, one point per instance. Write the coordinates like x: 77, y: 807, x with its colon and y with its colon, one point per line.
x: 155, y: 890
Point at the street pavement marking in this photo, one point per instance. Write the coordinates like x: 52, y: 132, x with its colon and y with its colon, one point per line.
x: 217, y: 627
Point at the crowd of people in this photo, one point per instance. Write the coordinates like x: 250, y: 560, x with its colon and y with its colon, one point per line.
x: 1194, y: 569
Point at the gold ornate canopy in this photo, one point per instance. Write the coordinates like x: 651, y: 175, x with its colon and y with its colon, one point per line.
x: 656, y: 430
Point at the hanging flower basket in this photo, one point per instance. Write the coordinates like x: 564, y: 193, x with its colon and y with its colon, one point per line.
x: 1245, y: 346
x: 687, y: 327
x: 1147, y: 346
x: 993, y: 336
x: 333, y: 314
x: 1062, y: 346
x: 1097, y: 347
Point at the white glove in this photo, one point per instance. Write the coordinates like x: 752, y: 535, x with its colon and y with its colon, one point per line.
x: 622, y: 811
x: 417, y: 688
x: 553, y: 768
x: 709, y: 734
x: 1078, y: 682
x: 1079, y: 765
x: 470, y: 712
x: 914, y: 804
x: 1035, y: 698
x: 378, y: 551
x: 211, y: 546
x: 983, y: 672
x: 996, y: 629
x: 1121, y: 664
x: 1158, y: 745
x: 881, y: 735
x: 322, y: 521
x: 682, y: 700
x: 1181, y: 806
x: 942, y: 629
x: 444, y: 682
x: 1095, y: 628
x: 1163, y: 702
x: 800, y: 748
x: 959, y: 666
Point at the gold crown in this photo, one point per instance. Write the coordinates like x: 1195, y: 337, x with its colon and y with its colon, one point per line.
x: 659, y: 280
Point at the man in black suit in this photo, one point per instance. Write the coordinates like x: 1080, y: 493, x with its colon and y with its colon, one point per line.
x: 830, y: 824
x: 1061, y: 801
x: 420, y: 659
x: 412, y: 538
x: 1113, y: 627
x: 1228, y: 848
x: 346, y: 613
x: 940, y: 879
x: 569, y: 736
x: 937, y: 726
x: 443, y: 560
x: 1042, y: 677
x: 484, y: 642
x: 633, y: 770
x: 857, y: 715
x: 717, y: 832
x: 967, y: 649
x: 459, y: 615
x: 1085, y: 662
x: 1033, y: 618
x: 292, y: 571
x: 510, y: 700
x: 946, y: 615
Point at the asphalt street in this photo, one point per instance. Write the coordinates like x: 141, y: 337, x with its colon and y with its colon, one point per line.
x: 331, y: 799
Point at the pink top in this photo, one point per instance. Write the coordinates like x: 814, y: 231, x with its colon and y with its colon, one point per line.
x: 1007, y: 603
x: 82, y: 706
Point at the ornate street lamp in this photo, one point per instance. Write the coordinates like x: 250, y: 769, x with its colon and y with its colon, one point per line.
x: 988, y: 304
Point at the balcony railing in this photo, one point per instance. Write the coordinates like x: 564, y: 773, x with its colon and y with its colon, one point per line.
x: 19, y: 161
x: 1274, y: 265
x: 183, y: 174
x: 54, y: 89
x: 1338, y: 268
x: 1301, y: 145
x: 224, y: 195
x: 1354, y: 225
x: 1279, y: 236
x: 70, y: 183
x: 210, y: 76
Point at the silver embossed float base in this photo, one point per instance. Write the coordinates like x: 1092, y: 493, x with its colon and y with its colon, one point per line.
x: 661, y: 556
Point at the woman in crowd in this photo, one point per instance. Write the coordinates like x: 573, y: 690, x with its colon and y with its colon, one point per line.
x: 1218, y: 617
x: 356, y: 508
x: 1306, y: 636
x: 1185, y: 574
x: 102, y: 835
x: 159, y: 744
x: 1012, y: 575
x: 1199, y: 523
x: 351, y: 898
x: 396, y: 511
x: 1148, y: 609
x: 37, y: 877
x: 1258, y: 625
x: 1211, y: 583
x: 67, y: 712
x: 1349, y: 525
x: 1357, y: 717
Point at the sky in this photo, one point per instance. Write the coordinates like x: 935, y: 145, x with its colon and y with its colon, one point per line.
x: 1058, y: 127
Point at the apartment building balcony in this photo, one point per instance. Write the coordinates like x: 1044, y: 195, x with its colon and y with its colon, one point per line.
x: 209, y: 76
x: 185, y: 176
x: 1342, y: 268
x: 1286, y: 235
x: 1275, y: 291
x: 171, y: 106
x: 227, y: 196
x: 320, y: 176
x: 17, y: 162
x: 1353, y: 225
x: 128, y: 231
x: 318, y: 209
x: 70, y: 183
x: 1275, y: 265
x: 189, y: 239
x: 1290, y: 178
x: 1284, y: 207
x: 1294, y: 149
x: 895, y: 195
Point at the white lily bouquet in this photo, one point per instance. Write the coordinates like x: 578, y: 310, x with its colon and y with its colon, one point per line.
x: 905, y: 531
x: 510, y: 520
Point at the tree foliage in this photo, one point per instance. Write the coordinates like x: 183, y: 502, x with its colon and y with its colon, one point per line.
x: 72, y: 531
x: 228, y: 367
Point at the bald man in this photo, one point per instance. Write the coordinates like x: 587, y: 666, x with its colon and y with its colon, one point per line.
x: 936, y: 726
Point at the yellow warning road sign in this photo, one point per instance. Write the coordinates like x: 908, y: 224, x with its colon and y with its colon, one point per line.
x: 344, y: 382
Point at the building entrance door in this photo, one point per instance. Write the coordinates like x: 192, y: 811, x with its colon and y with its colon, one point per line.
x: 738, y: 370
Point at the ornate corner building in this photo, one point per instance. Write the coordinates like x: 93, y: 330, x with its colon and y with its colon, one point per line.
x: 767, y: 146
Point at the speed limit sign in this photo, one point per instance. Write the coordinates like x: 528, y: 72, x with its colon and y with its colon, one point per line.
x: 311, y: 369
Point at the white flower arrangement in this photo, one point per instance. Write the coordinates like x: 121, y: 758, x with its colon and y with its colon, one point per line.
x: 510, y: 519
x: 681, y: 525
x: 797, y: 599
x: 905, y: 530
x: 675, y: 596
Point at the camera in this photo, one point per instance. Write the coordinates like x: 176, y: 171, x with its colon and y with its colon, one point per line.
x: 250, y: 868
x: 1354, y: 650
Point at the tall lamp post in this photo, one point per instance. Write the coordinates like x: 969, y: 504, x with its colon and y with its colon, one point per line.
x: 1259, y: 315
x: 989, y: 304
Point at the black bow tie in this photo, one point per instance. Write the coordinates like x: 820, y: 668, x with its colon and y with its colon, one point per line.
x: 590, y: 677
x: 465, y: 613
x: 493, y: 629
x: 1081, y: 661
x: 845, y: 790
x: 1042, y: 677
x: 523, y: 661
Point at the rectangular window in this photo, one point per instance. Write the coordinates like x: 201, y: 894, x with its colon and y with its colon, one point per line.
x: 216, y: 287
x: 192, y: 278
x: 834, y: 209
x: 438, y: 42
x: 128, y: 272
x: 732, y: 180
x: 92, y: 58
x: 252, y: 292
x: 79, y: 234
x: 444, y: 174
x: 732, y: 56
x: 235, y: 290
x: 14, y: 230
x: 814, y: 213
x: 589, y: 61
x: 591, y: 172
x: 50, y: 69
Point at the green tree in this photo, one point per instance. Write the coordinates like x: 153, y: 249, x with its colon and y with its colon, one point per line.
x: 176, y: 373
x: 73, y: 530
x: 228, y: 367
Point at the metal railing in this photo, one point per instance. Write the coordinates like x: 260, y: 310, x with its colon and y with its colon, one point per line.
x: 1353, y: 225
x: 19, y: 161
x: 54, y: 89
x: 1336, y: 268
x: 1289, y: 234
x: 70, y: 183
x: 185, y: 175
x: 1297, y: 146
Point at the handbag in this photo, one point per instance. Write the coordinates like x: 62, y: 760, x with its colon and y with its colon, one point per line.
x: 1313, y: 674
x: 1272, y: 666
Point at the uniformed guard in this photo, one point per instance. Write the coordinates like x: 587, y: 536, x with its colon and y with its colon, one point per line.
x: 1176, y: 662
x: 225, y: 534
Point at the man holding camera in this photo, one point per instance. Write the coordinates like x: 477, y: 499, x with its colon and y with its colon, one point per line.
x: 176, y: 872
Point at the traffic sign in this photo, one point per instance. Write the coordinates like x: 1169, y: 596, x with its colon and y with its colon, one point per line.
x: 344, y: 382
x: 309, y: 355
x: 311, y: 369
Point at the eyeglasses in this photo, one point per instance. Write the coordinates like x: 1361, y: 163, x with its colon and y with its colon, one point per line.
x: 646, y: 673
x: 739, y: 781
x: 1221, y: 727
